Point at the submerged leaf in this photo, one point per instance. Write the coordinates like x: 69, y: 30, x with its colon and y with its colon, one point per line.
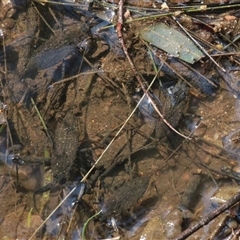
x: 172, y: 41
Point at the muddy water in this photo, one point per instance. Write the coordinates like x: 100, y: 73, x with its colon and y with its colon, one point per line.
x: 152, y: 181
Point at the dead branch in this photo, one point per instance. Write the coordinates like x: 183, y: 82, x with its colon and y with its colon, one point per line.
x: 209, y: 217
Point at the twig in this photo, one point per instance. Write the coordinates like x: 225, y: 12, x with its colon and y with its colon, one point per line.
x: 193, y: 9
x: 198, y: 73
x: 4, y: 53
x: 136, y: 73
x: 95, y: 164
x: 204, y: 165
x: 42, y: 224
x: 180, y: 145
x: 173, y: 70
x: 105, y: 78
x: 209, y: 217
x: 5, y: 70
x: 235, y: 234
x: 118, y: 132
x: 42, y: 121
x: 199, y: 46
x: 74, y: 77
x: 44, y: 20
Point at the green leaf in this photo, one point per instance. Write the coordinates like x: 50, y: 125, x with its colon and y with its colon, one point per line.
x: 172, y: 42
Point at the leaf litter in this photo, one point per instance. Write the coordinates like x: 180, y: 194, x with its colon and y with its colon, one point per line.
x: 165, y: 37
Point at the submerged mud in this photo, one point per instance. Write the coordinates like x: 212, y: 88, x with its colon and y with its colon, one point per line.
x: 67, y: 89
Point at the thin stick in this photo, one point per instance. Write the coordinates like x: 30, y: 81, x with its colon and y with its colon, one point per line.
x: 97, y: 161
x: 75, y: 76
x: 4, y: 52
x: 199, y: 46
x: 209, y: 217
x: 44, y: 20
x: 173, y: 70
x: 137, y: 75
x: 180, y: 145
x: 204, y: 165
x: 41, y: 119
x: 42, y: 224
x: 194, y: 70
x: 119, y: 131
x: 193, y: 9
x: 59, y: 3
x: 105, y: 78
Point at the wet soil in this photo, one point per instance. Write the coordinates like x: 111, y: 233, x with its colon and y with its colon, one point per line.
x: 143, y: 175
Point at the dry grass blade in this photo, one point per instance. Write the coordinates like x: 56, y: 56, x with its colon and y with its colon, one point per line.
x: 4, y: 52
x: 137, y: 75
x: 43, y: 223
x: 97, y: 161
x: 200, y: 47
x: 74, y: 77
x: 197, y: 72
x: 119, y: 131
x: 41, y: 16
x: 42, y: 121
x: 59, y: 3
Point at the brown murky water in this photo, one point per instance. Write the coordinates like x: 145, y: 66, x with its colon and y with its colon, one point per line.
x: 151, y: 183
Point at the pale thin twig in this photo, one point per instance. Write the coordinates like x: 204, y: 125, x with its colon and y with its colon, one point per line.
x: 97, y: 161
x: 41, y: 119
x: 119, y: 131
x: 59, y: 3
x: 75, y: 76
x: 199, y: 46
x: 41, y: 225
x: 4, y: 52
x: 180, y: 145
x: 137, y: 75
x: 44, y: 20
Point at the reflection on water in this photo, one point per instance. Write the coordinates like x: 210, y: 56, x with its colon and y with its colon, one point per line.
x: 151, y: 183
x: 30, y: 177
x: 59, y: 222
